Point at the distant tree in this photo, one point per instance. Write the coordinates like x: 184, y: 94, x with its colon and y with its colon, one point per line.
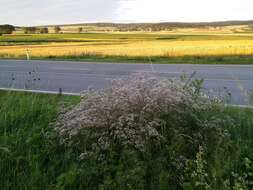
x: 44, y: 30
x: 57, y: 29
x: 80, y: 29
x: 30, y: 30
x: 6, y: 29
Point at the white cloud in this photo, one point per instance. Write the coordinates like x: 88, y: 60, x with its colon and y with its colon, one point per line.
x: 35, y: 12
x: 184, y: 10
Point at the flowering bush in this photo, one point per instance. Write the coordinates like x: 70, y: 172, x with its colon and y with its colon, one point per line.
x: 131, y: 112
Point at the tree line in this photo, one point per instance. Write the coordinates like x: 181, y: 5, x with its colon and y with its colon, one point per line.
x: 9, y: 29
x: 6, y: 29
x: 40, y: 30
x: 166, y: 25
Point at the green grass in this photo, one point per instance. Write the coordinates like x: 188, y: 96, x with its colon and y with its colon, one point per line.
x: 98, y: 37
x: 158, y: 59
x: 147, y: 60
x: 31, y: 156
x: 28, y: 160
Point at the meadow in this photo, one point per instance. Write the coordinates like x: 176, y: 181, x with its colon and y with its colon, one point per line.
x: 162, y: 47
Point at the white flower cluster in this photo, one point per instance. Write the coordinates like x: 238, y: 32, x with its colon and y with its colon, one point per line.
x: 128, y: 112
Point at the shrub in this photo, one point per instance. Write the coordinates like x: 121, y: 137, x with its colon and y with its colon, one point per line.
x: 80, y: 30
x: 29, y: 30
x: 57, y: 29
x: 44, y: 30
x: 135, y: 113
x: 6, y: 29
x: 161, y: 123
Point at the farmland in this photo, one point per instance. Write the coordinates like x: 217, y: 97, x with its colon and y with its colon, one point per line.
x: 185, y: 45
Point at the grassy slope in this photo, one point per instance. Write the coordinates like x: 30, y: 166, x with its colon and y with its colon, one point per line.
x: 32, y: 158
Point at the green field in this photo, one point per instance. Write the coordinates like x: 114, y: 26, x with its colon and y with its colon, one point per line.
x: 32, y: 157
x: 105, y: 37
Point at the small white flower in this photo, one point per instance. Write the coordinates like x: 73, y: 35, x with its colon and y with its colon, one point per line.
x: 129, y: 111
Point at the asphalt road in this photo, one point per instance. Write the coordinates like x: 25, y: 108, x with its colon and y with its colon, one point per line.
x: 74, y: 77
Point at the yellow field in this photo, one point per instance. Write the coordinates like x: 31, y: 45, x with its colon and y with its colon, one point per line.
x: 150, y: 48
x: 146, y: 47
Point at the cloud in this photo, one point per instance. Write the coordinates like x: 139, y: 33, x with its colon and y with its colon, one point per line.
x: 33, y: 12
x: 185, y: 10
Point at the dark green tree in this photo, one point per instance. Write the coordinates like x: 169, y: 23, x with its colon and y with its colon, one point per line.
x: 30, y: 30
x: 80, y: 29
x: 57, y: 29
x: 44, y: 30
x: 6, y: 29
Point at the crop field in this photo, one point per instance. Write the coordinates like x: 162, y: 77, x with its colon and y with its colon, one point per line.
x: 142, y: 46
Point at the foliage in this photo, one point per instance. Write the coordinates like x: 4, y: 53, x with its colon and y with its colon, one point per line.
x: 26, y: 157
x: 44, y: 30
x: 132, y: 112
x: 80, y: 29
x: 30, y: 30
x: 174, y: 133
x: 6, y: 29
x: 161, y: 26
x: 57, y: 29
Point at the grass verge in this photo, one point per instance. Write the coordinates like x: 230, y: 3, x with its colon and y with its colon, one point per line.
x: 28, y: 158
x: 155, y: 59
x: 31, y: 156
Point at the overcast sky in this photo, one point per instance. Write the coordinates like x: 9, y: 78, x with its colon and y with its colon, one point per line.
x: 41, y: 12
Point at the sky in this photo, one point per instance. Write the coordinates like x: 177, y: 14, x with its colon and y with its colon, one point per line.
x: 44, y: 12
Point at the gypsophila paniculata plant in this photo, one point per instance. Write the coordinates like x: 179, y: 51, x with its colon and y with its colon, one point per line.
x: 130, y: 113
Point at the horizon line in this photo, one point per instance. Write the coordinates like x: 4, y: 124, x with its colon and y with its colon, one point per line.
x: 133, y: 22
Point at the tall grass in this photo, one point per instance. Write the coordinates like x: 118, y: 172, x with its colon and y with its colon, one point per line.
x: 29, y: 158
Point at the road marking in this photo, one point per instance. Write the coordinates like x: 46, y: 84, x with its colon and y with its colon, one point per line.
x: 79, y: 94
x: 40, y: 91
x: 105, y: 63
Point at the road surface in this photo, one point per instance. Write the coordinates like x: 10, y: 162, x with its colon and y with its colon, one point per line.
x: 74, y: 77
